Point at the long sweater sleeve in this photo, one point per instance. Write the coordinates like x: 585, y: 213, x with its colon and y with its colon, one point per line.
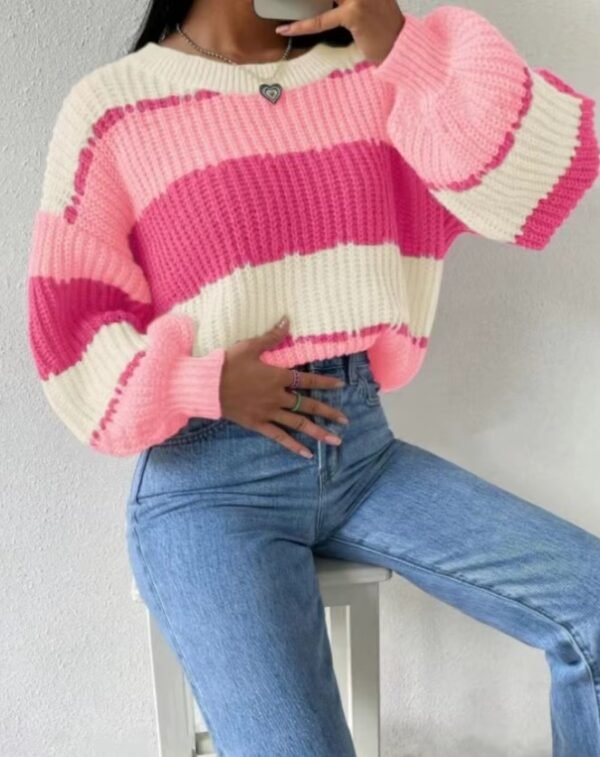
x: 507, y: 149
x: 118, y: 374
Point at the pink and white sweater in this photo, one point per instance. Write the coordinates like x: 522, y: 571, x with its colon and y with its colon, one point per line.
x: 181, y: 211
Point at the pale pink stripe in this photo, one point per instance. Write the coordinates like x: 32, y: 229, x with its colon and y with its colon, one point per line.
x: 160, y: 389
x: 96, y: 176
x: 458, y: 88
x: 138, y: 408
x: 507, y: 144
x: 201, y: 134
x: 396, y: 357
x: 63, y: 251
x: 379, y: 339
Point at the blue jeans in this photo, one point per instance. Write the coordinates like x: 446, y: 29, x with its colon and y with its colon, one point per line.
x: 222, y: 525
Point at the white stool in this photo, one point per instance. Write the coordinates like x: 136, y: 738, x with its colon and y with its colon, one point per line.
x: 350, y: 593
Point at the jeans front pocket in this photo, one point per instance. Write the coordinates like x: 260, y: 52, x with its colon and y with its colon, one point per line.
x: 197, y: 458
x: 158, y: 464
x: 195, y: 430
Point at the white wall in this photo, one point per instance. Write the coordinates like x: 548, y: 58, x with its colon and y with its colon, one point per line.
x: 508, y: 390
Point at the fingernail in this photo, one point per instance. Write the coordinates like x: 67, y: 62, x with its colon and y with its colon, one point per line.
x: 332, y: 439
x: 282, y: 29
x: 306, y: 453
x: 340, y: 382
x: 282, y: 322
x: 343, y: 420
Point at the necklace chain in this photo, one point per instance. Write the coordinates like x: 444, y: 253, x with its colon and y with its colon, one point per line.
x: 235, y: 63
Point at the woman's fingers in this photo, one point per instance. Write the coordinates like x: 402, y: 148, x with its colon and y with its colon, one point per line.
x: 243, y: 387
x: 282, y: 437
x: 311, y: 406
x: 301, y: 423
x: 308, y: 380
x: 271, y: 337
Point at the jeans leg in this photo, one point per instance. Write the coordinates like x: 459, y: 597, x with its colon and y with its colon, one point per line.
x: 239, y: 603
x: 498, y: 558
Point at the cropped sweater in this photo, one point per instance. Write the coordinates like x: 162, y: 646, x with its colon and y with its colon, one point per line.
x: 182, y: 211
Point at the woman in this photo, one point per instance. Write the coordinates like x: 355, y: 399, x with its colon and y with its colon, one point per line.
x: 223, y: 174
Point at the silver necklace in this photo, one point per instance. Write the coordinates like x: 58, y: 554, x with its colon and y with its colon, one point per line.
x: 271, y: 92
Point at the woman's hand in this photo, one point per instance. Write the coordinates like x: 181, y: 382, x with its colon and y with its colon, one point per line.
x: 374, y: 24
x: 254, y: 394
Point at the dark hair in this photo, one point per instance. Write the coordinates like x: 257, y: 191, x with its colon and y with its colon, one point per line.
x: 162, y: 16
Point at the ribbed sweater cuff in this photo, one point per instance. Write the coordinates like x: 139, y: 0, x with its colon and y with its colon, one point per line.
x: 195, y: 385
x: 418, y: 59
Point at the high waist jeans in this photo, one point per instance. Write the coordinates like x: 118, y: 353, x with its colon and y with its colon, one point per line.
x: 222, y: 526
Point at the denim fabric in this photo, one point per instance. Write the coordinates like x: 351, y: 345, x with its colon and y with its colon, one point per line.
x: 222, y: 526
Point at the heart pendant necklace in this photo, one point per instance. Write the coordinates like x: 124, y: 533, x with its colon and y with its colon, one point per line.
x: 271, y: 92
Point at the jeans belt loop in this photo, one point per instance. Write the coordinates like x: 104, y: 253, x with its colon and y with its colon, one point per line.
x: 351, y: 372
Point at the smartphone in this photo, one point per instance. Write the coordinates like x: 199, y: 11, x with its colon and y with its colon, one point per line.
x: 291, y: 10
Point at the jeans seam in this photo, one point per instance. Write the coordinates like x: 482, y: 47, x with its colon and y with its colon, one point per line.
x: 460, y: 579
x: 317, y: 518
x: 174, y: 639
x: 358, y: 501
x: 140, y: 476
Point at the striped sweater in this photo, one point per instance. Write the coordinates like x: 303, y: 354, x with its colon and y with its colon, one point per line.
x: 181, y: 211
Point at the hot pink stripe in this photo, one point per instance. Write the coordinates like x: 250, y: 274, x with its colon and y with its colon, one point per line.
x: 551, y: 211
x: 65, y: 316
x: 262, y: 210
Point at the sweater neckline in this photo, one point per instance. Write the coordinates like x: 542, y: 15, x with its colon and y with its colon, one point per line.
x: 201, y: 71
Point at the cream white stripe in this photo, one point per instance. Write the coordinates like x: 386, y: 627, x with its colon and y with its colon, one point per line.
x: 80, y: 395
x: 344, y: 288
x: 198, y: 71
x: 544, y: 148
x: 423, y: 279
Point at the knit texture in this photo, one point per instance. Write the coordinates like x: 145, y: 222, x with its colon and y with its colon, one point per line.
x: 181, y: 212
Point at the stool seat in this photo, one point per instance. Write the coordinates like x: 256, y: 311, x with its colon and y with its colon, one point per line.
x: 333, y: 572
x: 350, y: 594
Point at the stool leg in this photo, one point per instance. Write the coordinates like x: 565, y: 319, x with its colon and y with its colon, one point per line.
x: 339, y: 634
x: 172, y: 698
x: 364, y: 663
